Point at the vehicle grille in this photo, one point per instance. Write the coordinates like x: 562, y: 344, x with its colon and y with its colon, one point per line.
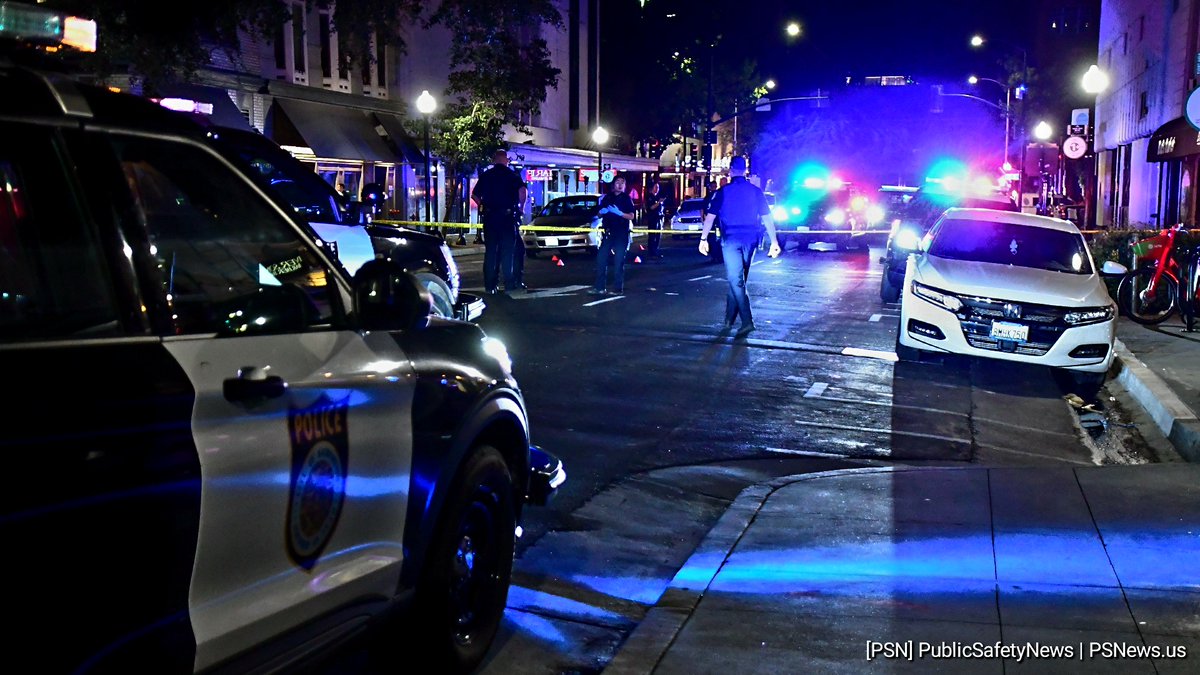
x: 1045, y: 323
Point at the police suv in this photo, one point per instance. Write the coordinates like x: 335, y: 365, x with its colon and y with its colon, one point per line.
x: 224, y: 454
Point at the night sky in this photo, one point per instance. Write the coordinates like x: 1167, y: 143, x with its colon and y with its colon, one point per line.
x: 925, y: 40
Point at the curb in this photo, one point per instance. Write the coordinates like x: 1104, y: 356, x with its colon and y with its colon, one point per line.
x: 1172, y: 416
x: 644, y: 649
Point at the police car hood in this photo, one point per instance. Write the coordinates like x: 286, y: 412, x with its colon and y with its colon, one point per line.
x: 1010, y: 282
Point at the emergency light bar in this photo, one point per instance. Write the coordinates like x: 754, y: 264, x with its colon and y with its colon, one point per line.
x: 33, y: 24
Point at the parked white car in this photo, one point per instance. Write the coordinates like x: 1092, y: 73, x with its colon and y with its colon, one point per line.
x: 1012, y: 286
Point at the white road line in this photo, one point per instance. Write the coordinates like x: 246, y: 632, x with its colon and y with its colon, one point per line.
x: 1011, y: 451
x: 602, y: 301
x: 707, y: 276
x: 876, y: 430
x: 816, y: 453
x: 871, y: 354
x: 875, y: 317
x: 816, y: 389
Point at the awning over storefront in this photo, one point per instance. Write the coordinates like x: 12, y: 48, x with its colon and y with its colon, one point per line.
x: 1174, y: 140
x: 406, y: 145
x: 576, y: 158
x: 215, y: 106
x: 336, y: 132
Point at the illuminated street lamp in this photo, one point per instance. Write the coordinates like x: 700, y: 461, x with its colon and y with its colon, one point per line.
x: 1095, y: 81
x: 1042, y: 131
x: 1007, y: 107
x: 793, y: 29
x: 600, y: 138
x: 769, y: 84
x: 426, y: 104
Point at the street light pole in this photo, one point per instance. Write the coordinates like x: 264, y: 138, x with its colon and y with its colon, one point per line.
x: 426, y: 104
x: 599, y: 137
x: 1007, y: 110
x: 978, y: 41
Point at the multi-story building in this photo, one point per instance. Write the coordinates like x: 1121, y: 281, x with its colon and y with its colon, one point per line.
x: 349, y: 124
x: 1149, y: 154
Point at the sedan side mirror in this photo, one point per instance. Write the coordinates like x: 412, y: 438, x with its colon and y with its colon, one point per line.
x: 386, y: 297
x: 1113, y: 269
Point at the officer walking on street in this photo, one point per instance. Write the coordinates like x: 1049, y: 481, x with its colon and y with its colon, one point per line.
x: 744, y: 214
x: 500, y: 195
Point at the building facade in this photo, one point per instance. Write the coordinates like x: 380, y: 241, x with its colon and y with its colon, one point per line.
x: 1148, y: 153
x: 349, y: 123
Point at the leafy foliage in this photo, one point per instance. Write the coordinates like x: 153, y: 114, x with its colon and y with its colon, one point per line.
x: 156, y: 43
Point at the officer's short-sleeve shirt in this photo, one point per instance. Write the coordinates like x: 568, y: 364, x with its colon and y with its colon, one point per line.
x: 740, y: 206
x: 613, y: 222
x: 498, y: 190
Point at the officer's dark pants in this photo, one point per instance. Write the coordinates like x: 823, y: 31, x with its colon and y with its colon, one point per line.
x: 653, y: 239
x: 738, y: 254
x: 518, y: 259
x: 499, y: 240
x: 613, y: 245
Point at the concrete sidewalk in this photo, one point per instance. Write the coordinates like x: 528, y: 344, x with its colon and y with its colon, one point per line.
x: 1084, y: 569
x: 969, y: 569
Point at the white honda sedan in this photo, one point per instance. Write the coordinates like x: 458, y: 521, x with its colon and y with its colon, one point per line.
x: 1011, y: 286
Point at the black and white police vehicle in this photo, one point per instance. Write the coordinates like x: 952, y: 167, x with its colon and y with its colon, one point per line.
x: 225, y: 454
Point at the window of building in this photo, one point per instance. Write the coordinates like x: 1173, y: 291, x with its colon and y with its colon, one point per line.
x: 1144, y: 106
x: 332, y: 60
x: 1141, y: 28
x: 374, y: 71
x: 291, y: 56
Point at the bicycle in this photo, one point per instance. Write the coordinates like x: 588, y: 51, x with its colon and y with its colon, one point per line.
x: 1151, y: 292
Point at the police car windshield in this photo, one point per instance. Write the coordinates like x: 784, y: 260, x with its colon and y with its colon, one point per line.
x: 1010, y: 244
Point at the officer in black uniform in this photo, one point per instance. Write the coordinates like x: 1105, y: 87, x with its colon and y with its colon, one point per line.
x: 500, y: 195
x: 653, y: 218
x: 617, y: 213
x: 744, y: 214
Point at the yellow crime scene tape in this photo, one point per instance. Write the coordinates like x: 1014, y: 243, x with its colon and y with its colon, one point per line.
x: 416, y: 224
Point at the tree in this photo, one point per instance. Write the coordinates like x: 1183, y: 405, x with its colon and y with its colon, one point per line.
x: 499, y: 72
x: 155, y: 43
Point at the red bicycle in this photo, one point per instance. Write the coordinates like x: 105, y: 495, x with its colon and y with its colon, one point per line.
x: 1160, y: 283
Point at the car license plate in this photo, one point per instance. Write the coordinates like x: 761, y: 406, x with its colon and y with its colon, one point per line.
x: 551, y: 241
x: 803, y: 228
x: 695, y: 227
x: 1003, y: 330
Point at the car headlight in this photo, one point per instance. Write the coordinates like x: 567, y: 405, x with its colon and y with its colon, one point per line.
x: 451, y: 272
x: 874, y: 214
x: 939, y: 298
x: 835, y: 217
x: 1086, y: 315
x: 780, y: 214
x: 496, y: 349
x: 906, y: 239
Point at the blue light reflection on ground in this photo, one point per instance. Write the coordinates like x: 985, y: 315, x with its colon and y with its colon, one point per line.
x: 538, y: 626
x: 638, y: 589
x: 357, y: 486
x: 527, y: 599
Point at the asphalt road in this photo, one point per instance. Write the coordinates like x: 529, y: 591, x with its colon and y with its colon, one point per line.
x: 662, y: 417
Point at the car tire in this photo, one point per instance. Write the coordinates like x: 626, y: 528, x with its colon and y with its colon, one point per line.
x: 439, y: 290
x: 463, y: 590
x: 888, y: 292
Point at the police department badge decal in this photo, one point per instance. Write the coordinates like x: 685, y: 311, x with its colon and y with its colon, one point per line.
x: 320, y: 456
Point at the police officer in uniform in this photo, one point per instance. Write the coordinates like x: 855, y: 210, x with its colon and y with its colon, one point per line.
x: 744, y: 214
x: 500, y: 195
x: 617, y: 213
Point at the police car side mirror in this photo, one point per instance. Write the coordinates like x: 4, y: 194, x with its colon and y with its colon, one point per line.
x: 386, y: 297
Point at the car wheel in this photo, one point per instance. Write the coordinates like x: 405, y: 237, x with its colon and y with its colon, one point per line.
x: 443, y: 304
x: 464, y: 586
x: 888, y: 292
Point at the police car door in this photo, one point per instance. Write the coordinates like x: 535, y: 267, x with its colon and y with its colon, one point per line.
x: 302, y: 425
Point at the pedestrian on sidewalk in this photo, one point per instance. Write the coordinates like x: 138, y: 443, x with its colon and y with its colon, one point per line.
x: 744, y: 215
x: 500, y: 195
x: 616, y: 212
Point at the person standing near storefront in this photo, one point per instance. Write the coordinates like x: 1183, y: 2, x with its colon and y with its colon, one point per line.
x: 500, y: 195
x: 744, y: 214
x: 617, y: 213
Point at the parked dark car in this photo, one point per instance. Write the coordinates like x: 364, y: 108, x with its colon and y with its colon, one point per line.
x: 229, y: 455
x: 345, y: 227
x: 922, y: 211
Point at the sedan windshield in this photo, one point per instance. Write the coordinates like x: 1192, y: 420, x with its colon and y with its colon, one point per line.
x: 565, y: 207
x: 1010, y: 244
